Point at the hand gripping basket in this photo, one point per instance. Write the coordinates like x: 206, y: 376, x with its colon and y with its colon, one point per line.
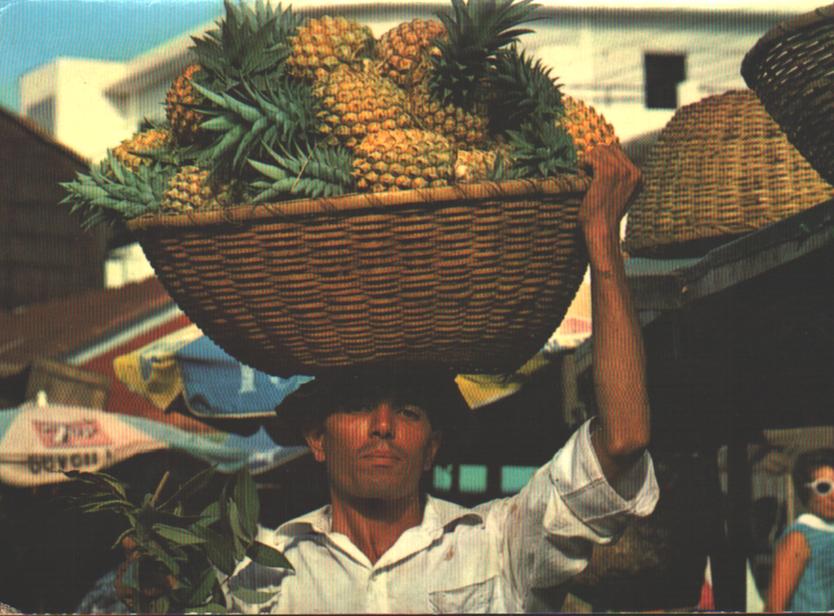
x: 791, y: 68
x: 721, y: 168
x: 474, y: 277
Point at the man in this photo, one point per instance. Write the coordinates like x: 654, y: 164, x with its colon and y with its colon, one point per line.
x: 382, y: 546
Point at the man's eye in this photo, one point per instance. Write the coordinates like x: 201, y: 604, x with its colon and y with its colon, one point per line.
x: 411, y: 412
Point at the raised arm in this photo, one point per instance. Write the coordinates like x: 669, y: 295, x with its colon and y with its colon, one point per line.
x: 622, y: 430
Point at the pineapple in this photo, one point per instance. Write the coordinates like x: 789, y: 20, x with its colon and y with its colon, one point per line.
x: 356, y: 103
x: 191, y: 189
x: 586, y: 127
x: 251, y: 44
x: 523, y: 92
x: 111, y: 192
x: 322, y: 44
x: 319, y: 172
x: 431, y: 103
x: 401, y: 51
x: 468, y: 129
x: 453, y: 98
x: 403, y: 159
x: 476, y: 31
x: 249, y: 47
x: 136, y: 151
x: 540, y: 150
x: 180, y: 103
x: 474, y: 165
x: 247, y: 124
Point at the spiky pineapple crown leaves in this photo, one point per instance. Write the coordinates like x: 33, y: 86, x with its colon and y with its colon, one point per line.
x: 284, y: 112
x: 476, y: 31
x: 111, y: 192
x: 177, y: 544
x: 320, y: 171
x: 527, y: 92
x: 540, y: 151
x: 251, y: 43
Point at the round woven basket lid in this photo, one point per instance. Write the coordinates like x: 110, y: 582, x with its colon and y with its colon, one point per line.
x: 721, y: 168
x: 791, y: 69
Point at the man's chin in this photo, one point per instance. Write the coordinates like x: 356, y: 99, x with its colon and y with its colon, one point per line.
x: 383, y: 490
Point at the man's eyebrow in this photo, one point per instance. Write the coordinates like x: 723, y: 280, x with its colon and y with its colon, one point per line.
x: 413, y: 405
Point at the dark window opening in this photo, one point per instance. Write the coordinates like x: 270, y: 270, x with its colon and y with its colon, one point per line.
x: 663, y: 72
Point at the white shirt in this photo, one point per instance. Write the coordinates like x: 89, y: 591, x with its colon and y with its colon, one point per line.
x: 487, y: 559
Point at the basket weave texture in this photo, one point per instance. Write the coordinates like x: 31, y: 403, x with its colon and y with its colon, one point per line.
x: 720, y: 168
x: 475, y: 277
x: 791, y: 68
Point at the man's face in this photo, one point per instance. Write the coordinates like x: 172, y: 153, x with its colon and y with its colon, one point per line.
x: 376, y: 450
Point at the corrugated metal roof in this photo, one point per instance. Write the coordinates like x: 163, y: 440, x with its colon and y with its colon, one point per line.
x: 56, y: 328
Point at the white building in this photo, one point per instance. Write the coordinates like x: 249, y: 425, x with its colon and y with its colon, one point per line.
x: 635, y: 65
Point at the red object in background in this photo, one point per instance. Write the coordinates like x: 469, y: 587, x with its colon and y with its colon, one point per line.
x: 707, y: 599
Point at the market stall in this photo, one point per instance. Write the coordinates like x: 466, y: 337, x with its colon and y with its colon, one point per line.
x: 739, y: 341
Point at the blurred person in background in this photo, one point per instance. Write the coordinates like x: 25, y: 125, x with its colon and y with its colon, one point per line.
x: 803, y: 564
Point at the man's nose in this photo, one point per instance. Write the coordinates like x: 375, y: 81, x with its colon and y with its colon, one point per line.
x: 382, y: 421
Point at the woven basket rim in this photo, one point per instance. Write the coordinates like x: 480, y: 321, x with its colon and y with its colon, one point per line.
x: 354, y: 202
x: 752, y: 59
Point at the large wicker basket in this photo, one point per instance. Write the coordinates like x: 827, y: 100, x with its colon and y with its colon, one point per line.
x: 791, y: 68
x: 721, y: 168
x: 475, y: 277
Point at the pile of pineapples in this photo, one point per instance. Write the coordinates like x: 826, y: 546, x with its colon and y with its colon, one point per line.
x: 278, y: 107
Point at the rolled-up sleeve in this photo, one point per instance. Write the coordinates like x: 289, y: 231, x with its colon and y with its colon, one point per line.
x: 591, y: 501
x: 548, y: 529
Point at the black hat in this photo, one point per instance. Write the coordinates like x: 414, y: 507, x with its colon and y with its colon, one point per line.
x: 429, y: 386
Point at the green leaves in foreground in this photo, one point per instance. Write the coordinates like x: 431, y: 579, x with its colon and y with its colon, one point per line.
x: 176, y: 544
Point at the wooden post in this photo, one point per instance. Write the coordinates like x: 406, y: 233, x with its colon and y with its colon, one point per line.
x: 455, y: 488
x: 731, y: 593
x: 738, y: 519
x: 493, y: 487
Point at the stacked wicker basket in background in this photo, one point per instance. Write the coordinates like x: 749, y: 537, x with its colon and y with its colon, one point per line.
x: 791, y: 69
x: 720, y: 168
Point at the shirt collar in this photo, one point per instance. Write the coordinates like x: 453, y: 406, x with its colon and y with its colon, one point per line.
x: 437, y: 514
x: 815, y: 522
x: 317, y: 522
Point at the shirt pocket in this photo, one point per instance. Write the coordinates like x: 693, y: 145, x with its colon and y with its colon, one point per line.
x: 471, y: 599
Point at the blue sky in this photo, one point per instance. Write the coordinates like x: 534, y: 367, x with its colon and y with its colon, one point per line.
x: 33, y: 32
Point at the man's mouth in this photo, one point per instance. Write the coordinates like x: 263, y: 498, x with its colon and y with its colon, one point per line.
x: 380, y: 454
